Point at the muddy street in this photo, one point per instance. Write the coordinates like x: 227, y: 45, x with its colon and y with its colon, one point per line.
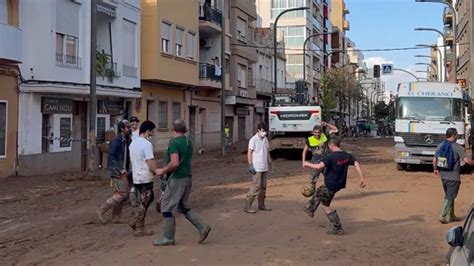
x: 51, y: 219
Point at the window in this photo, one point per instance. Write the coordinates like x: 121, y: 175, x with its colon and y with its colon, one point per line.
x: 179, y: 42
x: 294, y: 36
x: 250, y: 76
x: 241, y: 29
x: 279, y: 6
x: 294, y: 65
x: 66, y: 50
x: 129, y: 49
x: 3, y: 129
x: 191, y: 45
x: 165, y: 37
x: 241, y: 76
x: 162, y: 114
x: 176, y: 111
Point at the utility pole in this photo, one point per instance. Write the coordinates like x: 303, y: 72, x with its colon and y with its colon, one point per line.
x: 224, y: 11
x: 93, y: 81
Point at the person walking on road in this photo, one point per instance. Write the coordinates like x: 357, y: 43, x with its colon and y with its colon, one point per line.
x: 178, y: 188
x: 259, y: 162
x: 143, y: 168
x: 336, y: 164
x: 449, y: 158
x: 117, y: 169
x: 227, y: 137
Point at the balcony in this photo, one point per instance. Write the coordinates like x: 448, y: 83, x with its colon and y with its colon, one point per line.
x: 246, y: 6
x: 208, y: 77
x: 264, y: 86
x: 448, y: 16
x: 346, y: 25
x: 129, y: 71
x: 448, y: 34
x: 11, y: 44
x: 68, y: 61
x: 210, y: 19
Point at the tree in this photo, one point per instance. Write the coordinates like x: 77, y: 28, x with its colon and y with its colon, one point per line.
x: 339, y: 90
x: 381, y: 110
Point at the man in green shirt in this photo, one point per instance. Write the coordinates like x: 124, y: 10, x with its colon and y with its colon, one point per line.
x: 178, y: 187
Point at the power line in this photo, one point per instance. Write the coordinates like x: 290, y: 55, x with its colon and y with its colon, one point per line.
x: 352, y: 50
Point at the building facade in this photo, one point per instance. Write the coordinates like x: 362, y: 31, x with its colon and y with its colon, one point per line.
x: 340, y: 25
x: 295, y: 27
x: 11, y: 55
x: 54, y: 92
x: 463, y: 39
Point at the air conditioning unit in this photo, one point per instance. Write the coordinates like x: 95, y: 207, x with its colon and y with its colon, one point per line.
x: 206, y: 43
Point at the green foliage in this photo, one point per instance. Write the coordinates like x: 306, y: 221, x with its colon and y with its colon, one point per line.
x: 339, y: 88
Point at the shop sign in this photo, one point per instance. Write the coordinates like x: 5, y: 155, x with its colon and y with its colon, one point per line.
x: 56, y: 105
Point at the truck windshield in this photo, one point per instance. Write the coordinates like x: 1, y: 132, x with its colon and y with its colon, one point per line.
x: 442, y: 109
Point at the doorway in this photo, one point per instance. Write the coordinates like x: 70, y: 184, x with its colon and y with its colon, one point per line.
x: 241, y: 125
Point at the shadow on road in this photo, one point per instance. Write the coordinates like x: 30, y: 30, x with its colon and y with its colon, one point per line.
x: 368, y: 194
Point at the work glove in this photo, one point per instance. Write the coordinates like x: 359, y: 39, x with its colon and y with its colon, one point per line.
x: 252, y: 169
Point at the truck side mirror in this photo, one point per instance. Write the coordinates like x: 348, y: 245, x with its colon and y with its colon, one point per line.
x: 454, y: 236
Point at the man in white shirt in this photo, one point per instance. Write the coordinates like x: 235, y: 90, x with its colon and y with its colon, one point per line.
x: 134, y: 122
x: 143, y: 169
x: 259, y: 162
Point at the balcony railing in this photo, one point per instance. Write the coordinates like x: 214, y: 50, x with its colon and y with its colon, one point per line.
x: 129, y: 71
x: 448, y: 33
x: 447, y: 15
x: 64, y: 60
x: 210, y: 13
x: 208, y: 71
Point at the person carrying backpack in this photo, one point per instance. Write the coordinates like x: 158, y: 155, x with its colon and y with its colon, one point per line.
x: 449, y: 158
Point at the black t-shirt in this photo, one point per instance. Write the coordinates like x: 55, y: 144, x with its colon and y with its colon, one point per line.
x: 337, y: 164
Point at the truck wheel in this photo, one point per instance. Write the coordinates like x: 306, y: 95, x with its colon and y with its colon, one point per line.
x: 401, y: 167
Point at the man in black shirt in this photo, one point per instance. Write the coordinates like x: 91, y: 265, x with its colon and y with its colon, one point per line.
x: 336, y: 165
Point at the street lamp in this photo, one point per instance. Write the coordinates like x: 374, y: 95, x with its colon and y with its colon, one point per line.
x: 453, y: 9
x: 432, y: 47
x: 275, y: 46
x: 429, y: 66
x: 304, y: 49
x: 422, y: 56
x: 445, y: 63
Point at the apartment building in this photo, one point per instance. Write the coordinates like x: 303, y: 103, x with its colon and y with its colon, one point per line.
x: 295, y: 27
x: 463, y: 39
x: 264, y: 72
x: 340, y: 25
x: 359, y: 70
x: 54, y: 95
x: 11, y: 55
x: 241, y: 93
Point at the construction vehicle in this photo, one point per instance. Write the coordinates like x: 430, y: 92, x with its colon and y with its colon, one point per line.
x: 424, y: 111
x: 292, y: 118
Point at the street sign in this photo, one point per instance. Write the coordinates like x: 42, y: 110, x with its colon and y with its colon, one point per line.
x: 387, y: 69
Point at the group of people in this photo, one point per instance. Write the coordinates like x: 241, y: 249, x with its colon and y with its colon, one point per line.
x: 133, y: 171
x: 326, y: 154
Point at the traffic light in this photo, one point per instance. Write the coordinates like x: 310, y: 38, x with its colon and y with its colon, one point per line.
x: 376, y: 71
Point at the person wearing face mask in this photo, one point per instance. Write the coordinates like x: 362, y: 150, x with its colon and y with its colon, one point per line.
x: 143, y: 169
x: 259, y: 163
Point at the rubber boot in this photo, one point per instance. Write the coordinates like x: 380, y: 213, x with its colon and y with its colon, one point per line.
x: 261, y: 203
x: 109, y: 204
x: 336, y: 222
x: 168, y: 233
x: 454, y: 218
x: 445, y: 215
x: 117, y: 214
x: 248, y: 205
x: 203, y: 228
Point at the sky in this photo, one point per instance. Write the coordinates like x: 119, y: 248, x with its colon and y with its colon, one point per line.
x: 390, y: 24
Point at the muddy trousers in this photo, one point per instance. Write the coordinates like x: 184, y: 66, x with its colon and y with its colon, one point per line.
x: 322, y: 195
x: 258, y: 189
x: 145, y: 197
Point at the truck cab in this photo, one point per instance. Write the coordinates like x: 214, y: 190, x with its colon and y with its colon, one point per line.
x: 424, y: 111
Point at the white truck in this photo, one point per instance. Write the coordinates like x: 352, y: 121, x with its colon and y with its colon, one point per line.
x: 424, y: 111
x: 291, y: 124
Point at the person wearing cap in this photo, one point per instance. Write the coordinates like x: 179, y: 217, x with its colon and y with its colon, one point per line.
x: 134, y: 121
x: 117, y: 169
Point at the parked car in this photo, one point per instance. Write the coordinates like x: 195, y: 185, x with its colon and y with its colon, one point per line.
x: 461, y: 240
